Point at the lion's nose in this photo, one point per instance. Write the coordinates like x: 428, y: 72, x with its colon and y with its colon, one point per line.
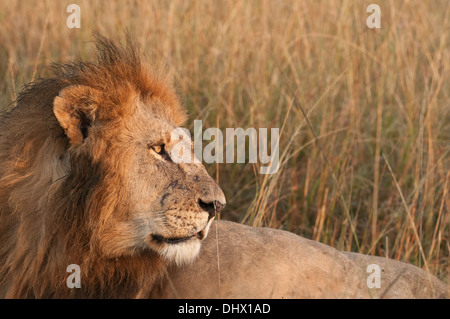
x: 212, y: 207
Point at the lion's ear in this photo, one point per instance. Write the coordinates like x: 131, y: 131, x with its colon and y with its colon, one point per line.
x: 74, y: 109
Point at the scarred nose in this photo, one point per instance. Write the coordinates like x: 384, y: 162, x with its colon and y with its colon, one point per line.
x: 211, y: 207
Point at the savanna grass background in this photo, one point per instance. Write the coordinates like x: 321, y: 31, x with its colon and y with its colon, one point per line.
x: 364, y: 114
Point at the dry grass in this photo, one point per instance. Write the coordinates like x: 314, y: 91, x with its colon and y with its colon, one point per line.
x: 366, y: 170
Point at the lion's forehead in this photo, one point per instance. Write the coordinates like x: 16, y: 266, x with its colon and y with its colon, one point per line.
x: 147, y: 125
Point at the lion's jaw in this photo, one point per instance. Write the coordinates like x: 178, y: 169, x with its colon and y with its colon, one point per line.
x: 180, y: 251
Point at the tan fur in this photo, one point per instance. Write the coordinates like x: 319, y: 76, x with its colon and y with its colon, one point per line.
x: 81, y: 184
x: 249, y: 262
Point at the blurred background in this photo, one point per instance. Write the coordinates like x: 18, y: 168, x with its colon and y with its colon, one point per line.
x: 364, y: 114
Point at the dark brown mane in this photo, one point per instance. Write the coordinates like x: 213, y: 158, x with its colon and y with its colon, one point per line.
x: 47, y: 220
x: 117, y: 70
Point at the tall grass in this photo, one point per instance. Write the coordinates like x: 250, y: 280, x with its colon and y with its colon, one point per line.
x: 364, y: 113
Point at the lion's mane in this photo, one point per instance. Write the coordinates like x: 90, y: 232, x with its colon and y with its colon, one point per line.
x: 48, y: 216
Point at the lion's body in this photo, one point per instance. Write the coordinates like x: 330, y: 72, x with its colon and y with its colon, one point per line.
x: 86, y: 178
x: 259, y: 263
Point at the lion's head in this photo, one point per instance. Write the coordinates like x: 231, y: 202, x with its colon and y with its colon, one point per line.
x: 87, y: 178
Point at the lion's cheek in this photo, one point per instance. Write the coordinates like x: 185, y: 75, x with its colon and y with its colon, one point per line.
x: 123, y: 239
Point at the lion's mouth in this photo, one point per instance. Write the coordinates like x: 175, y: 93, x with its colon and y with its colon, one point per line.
x: 177, y: 240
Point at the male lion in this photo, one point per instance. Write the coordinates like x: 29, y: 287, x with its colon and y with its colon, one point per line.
x: 87, y: 178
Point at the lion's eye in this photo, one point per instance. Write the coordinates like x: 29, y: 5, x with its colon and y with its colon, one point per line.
x: 159, y: 149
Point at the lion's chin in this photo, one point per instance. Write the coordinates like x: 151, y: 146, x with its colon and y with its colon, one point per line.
x: 180, y: 253
x: 182, y: 250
